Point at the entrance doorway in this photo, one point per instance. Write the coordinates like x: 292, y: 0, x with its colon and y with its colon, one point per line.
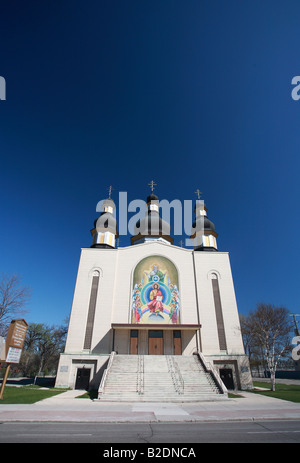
x: 83, y: 378
x: 177, y: 342
x: 156, y: 342
x: 226, y: 376
x: 134, y: 341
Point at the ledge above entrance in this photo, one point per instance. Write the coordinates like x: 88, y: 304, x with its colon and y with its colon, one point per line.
x: 155, y: 338
x: 153, y: 326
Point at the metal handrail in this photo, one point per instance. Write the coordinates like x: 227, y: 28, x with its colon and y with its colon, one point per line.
x: 176, y: 375
x: 210, y: 369
x: 140, y: 375
x: 105, y: 373
x: 179, y: 376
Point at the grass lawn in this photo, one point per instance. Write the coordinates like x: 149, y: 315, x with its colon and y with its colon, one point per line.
x: 27, y: 394
x: 231, y: 395
x: 290, y: 392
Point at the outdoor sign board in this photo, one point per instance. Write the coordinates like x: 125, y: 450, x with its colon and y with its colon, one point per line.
x: 13, y: 355
x: 13, y: 347
x: 15, y: 340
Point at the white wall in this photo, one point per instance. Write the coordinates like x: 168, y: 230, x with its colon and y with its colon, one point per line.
x: 116, y: 267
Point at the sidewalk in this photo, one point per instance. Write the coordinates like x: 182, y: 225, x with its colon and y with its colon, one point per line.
x: 66, y: 408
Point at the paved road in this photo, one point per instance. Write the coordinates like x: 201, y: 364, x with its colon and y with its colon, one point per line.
x: 286, y: 431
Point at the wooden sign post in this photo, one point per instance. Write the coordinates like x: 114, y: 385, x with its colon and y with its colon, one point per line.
x: 13, y: 346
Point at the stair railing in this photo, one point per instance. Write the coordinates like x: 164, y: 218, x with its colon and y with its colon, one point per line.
x: 176, y: 376
x: 208, y: 367
x: 179, y: 378
x: 140, y: 375
x: 105, y: 373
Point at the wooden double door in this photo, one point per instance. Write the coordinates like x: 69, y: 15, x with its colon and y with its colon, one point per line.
x: 155, y: 342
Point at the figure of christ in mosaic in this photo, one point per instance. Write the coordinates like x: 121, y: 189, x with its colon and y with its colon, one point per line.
x: 155, y: 305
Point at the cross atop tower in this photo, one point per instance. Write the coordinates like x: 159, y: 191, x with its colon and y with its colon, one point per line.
x: 198, y: 193
x: 110, y: 188
x: 152, y: 184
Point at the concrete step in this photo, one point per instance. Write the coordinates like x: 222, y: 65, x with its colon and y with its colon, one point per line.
x: 169, y: 399
x: 159, y: 380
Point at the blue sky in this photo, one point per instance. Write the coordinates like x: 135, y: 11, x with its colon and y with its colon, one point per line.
x: 193, y: 94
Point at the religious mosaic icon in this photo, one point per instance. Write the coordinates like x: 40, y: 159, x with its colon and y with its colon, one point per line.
x: 155, y: 297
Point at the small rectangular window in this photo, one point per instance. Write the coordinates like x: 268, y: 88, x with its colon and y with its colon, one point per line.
x: 156, y: 334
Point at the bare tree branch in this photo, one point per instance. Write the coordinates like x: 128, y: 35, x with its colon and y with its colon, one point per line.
x: 14, y: 297
x: 268, y: 329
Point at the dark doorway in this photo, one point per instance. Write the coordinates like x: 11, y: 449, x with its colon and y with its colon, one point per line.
x: 156, y: 342
x: 83, y: 378
x: 227, y: 377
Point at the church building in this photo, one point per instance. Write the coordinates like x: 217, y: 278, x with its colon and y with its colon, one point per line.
x: 153, y: 300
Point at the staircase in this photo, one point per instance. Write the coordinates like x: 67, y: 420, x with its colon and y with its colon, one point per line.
x: 158, y: 378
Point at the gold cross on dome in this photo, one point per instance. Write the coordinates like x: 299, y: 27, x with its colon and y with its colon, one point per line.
x: 151, y: 184
x: 109, y: 191
x: 198, y: 193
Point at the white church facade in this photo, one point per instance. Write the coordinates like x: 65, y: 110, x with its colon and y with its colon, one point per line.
x: 153, y: 298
